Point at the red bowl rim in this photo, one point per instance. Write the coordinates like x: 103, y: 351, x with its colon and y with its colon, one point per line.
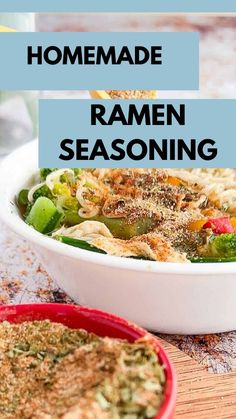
x: 135, y: 332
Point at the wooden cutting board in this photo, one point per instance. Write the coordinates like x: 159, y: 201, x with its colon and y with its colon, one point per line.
x: 201, y: 395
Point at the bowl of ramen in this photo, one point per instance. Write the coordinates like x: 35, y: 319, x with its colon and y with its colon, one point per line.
x: 65, y: 361
x: 156, y: 246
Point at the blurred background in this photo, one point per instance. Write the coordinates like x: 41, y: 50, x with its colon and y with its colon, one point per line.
x: 217, y: 45
x: 18, y: 110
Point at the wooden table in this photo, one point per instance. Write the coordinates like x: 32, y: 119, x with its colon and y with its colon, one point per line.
x: 202, y: 394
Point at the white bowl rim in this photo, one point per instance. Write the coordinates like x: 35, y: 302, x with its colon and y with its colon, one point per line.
x: 18, y: 225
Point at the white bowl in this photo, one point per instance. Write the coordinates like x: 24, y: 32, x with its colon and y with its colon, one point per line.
x: 163, y: 297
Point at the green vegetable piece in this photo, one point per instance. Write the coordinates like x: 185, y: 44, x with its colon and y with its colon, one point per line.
x: 77, y: 172
x: 82, y: 244
x: 44, y: 216
x: 212, y: 260
x: 121, y: 229
x: 43, y: 191
x: 221, y: 246
x: 45, y: 172
x: 70, y: 207
x: 86, y: 246
x: 71, y: 217
x: 23, y: 197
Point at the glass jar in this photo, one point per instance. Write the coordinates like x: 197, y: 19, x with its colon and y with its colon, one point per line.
x: 18, y: 110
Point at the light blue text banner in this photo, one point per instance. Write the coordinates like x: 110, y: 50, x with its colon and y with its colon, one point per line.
x: 179, y: 69
x: 216, y: 6
x: 71, y: 119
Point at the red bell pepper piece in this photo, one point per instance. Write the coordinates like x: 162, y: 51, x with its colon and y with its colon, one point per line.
x: 221, y: 225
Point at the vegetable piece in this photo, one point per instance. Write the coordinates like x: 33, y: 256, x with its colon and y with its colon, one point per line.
x: 43, y: 191
x: 23, y: 197
x: 212, y: 260
x: 44, y: 215
x: 82, y: 244
x: 221, y: 246
x: 62, y: 190
x: 121, y: 229
x: 45, y: 172
x: 233, y: 222
x: 68, y: 205
x: 77, y: 172
x: 219, y: 225
x: 196, y: 225
x: 71, y: 217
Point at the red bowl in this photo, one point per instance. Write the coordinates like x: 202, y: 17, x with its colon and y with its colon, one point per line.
x: 102, y: 324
